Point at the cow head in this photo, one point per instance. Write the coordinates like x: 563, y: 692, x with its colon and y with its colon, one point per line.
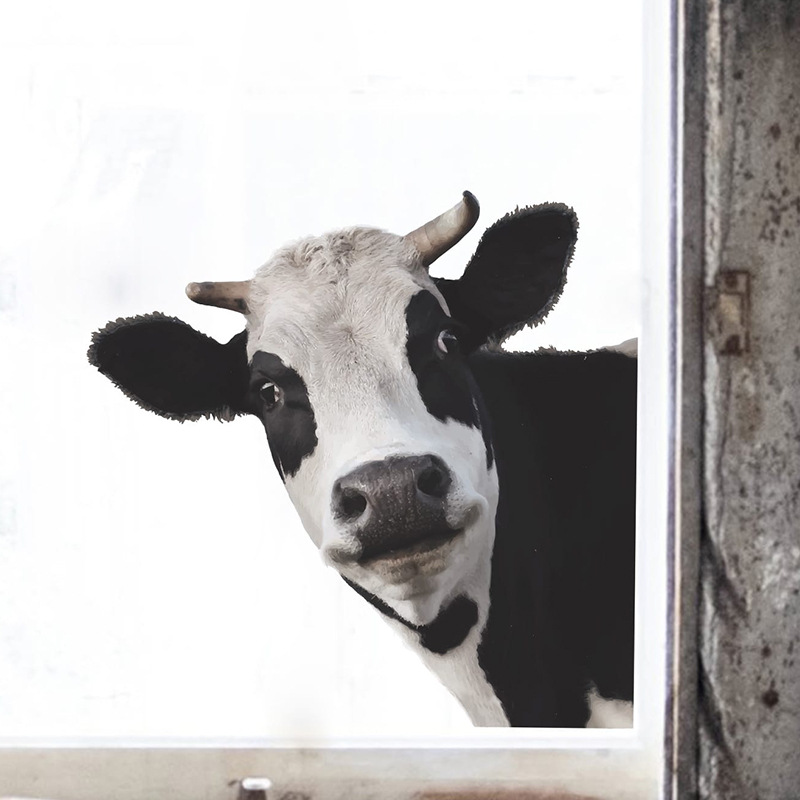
x: 356, y: 362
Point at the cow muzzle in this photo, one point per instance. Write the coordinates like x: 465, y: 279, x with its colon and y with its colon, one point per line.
x: 392, y: 511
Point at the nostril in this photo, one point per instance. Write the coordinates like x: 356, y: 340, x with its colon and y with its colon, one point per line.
x: 352, y: 504
x: 433, y: 481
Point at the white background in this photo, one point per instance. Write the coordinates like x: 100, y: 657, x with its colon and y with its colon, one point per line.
x: 154, y: 581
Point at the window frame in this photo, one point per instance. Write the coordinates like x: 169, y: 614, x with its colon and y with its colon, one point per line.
x: 657, y: 758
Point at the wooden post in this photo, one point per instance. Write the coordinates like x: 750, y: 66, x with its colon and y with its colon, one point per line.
x: 749, y: 611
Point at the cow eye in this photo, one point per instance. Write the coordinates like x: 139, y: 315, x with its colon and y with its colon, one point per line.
x: 271, y: 394
x: 446, y: 343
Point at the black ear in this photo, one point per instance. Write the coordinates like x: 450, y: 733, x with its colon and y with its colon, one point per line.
x: 516, y: 275
x: 168, y: 367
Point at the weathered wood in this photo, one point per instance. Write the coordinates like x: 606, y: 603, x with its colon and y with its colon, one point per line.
x: 749, y: 698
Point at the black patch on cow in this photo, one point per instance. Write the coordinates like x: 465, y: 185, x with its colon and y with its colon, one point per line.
x: 562, y: 589
x: 446, y: 632
x: 169, y: 368
x: 291, y: 427
x: 516, y: 275
x: 445, y: 381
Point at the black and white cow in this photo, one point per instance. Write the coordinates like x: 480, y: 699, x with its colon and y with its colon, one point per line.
x: 482, y: 501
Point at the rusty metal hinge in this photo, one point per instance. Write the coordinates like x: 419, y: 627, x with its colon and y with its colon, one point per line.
x: 729, y: 316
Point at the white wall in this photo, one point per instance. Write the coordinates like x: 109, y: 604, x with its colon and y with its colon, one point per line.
x: 154, y: 581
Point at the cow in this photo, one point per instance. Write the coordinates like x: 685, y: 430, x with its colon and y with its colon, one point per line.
x: 482, y: 501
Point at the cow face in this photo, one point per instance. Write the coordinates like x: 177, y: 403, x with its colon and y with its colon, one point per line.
x: 372, y: 416
x: 356, y: 362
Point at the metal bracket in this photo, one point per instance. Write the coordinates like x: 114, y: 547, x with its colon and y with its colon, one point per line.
x: 730, y: 315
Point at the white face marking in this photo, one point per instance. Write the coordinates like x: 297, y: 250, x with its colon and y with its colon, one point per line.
x: 333, y: 308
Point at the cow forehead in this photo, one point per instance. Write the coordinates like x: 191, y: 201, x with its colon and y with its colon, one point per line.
x: 335, y: 296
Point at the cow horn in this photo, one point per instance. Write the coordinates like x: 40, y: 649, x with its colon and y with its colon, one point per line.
x: 225, y: 294
x: 440, y: 234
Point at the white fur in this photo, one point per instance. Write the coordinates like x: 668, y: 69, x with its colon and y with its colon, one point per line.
x: 605, y: 713
x: 630, y: 348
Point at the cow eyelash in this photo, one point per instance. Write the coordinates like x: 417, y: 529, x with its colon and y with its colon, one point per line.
x: 271, y: 394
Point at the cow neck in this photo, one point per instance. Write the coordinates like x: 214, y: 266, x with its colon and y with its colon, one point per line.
x: 450, y: 628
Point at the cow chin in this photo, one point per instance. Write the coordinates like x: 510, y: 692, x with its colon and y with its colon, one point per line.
x: 418, y: 582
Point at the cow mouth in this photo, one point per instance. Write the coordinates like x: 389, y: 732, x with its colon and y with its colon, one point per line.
x: 429, y: 543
